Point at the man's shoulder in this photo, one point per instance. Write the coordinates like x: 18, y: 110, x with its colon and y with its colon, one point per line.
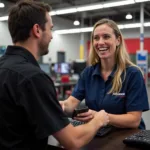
x: 29, y: 70
x: 22, y: 69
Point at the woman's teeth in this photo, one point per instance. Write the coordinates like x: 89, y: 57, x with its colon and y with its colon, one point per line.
x: 103, y: 49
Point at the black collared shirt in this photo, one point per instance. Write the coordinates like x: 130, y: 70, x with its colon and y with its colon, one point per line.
x: 29, y: 110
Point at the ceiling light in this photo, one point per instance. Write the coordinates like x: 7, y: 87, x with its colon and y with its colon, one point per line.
x: 3, y: 18
x: 2, y: 5
x: 90, y: 7
x: 76, y: 23
x: 120, y: 3
x: 93, y: 7
x: 52, y: 13
x: 147, y: 24
x: 139, y: 1
x: 133, y: 25
x: 77, y: 30
x: 66, y: 11
x: 128, y: 16
x: 89, y: 29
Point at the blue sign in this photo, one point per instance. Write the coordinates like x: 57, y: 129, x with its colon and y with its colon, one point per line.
x: 142, y: 62
x: 141, y: 57
x: 2, y: 50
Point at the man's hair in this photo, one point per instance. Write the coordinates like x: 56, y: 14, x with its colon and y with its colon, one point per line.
x: 23, y: 16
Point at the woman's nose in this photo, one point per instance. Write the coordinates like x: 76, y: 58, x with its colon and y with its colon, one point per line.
x: 101, y: 41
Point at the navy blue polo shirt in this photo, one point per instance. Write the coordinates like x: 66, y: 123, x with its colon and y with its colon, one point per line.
x: 132, y: 97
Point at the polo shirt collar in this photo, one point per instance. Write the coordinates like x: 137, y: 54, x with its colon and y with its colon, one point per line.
x: 113, y: 72
x: 97, y: 68
x: 18, y: 50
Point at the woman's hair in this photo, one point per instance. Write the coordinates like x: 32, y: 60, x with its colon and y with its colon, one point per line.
x: 121, y: 55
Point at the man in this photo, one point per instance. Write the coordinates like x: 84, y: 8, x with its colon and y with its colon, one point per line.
x: 29, y: 110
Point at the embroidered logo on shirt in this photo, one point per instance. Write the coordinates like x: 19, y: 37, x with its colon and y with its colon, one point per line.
x: 119, y: 94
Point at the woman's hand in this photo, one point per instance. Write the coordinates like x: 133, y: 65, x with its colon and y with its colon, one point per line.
x: 85, y: 117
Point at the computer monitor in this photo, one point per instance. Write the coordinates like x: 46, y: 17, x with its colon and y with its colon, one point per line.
x: 62, y: 68
x: 45, y: 68
x: 78, y: 66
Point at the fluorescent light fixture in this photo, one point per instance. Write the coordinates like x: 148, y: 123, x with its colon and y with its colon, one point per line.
x: 93, y: 7
x: 147, y: 24
x: 119, y: 3
x: 3, y: 18
x: 121, y: 26
x: 133, y: 25
x: 90, y: 7
x: 77, y: 30
x: 52, y: 13
x: 66, y: 11
x: 97, y: 6
x: 2, y: 5
x: 89, y: 29
x: 140, y: 1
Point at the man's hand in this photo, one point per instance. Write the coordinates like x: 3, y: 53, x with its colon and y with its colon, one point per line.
x: 62, y: 105
x: 102, y: 117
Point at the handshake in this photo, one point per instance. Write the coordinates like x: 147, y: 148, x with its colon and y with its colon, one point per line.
x: 85, y: 114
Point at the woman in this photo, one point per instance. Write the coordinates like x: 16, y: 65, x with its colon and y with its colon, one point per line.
x: 112, y: 82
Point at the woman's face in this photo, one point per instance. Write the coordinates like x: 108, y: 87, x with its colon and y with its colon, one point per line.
x: 105, y: 41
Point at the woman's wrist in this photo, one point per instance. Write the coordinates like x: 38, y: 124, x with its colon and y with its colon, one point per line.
x: 93, y: 112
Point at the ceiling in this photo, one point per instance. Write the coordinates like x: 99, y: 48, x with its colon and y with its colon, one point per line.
x: 90, y: 17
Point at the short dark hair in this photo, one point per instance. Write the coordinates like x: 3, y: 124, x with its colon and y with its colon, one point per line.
x: 23, y: 16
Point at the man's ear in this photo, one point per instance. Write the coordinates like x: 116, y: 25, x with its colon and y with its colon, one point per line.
x: 36, y: 30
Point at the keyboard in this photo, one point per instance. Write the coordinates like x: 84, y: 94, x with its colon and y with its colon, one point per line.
x: 140, y: 139
x: 101, y: 132
x: 76, y: 122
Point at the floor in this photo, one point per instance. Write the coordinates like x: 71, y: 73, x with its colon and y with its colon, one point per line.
x: 146, y: 115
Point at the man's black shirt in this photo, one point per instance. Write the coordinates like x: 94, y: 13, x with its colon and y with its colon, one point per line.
x: 29, y: 110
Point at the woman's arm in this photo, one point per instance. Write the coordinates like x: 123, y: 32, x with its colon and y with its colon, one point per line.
x: 129, y: 120
x: 136, y: 101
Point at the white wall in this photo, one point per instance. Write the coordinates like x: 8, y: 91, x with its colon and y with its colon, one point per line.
x: 69, y: 43
x: 5, y: 38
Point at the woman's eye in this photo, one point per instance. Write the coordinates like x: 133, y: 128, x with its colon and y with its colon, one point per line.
x: 96, y: 38
x: 106, y: 36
